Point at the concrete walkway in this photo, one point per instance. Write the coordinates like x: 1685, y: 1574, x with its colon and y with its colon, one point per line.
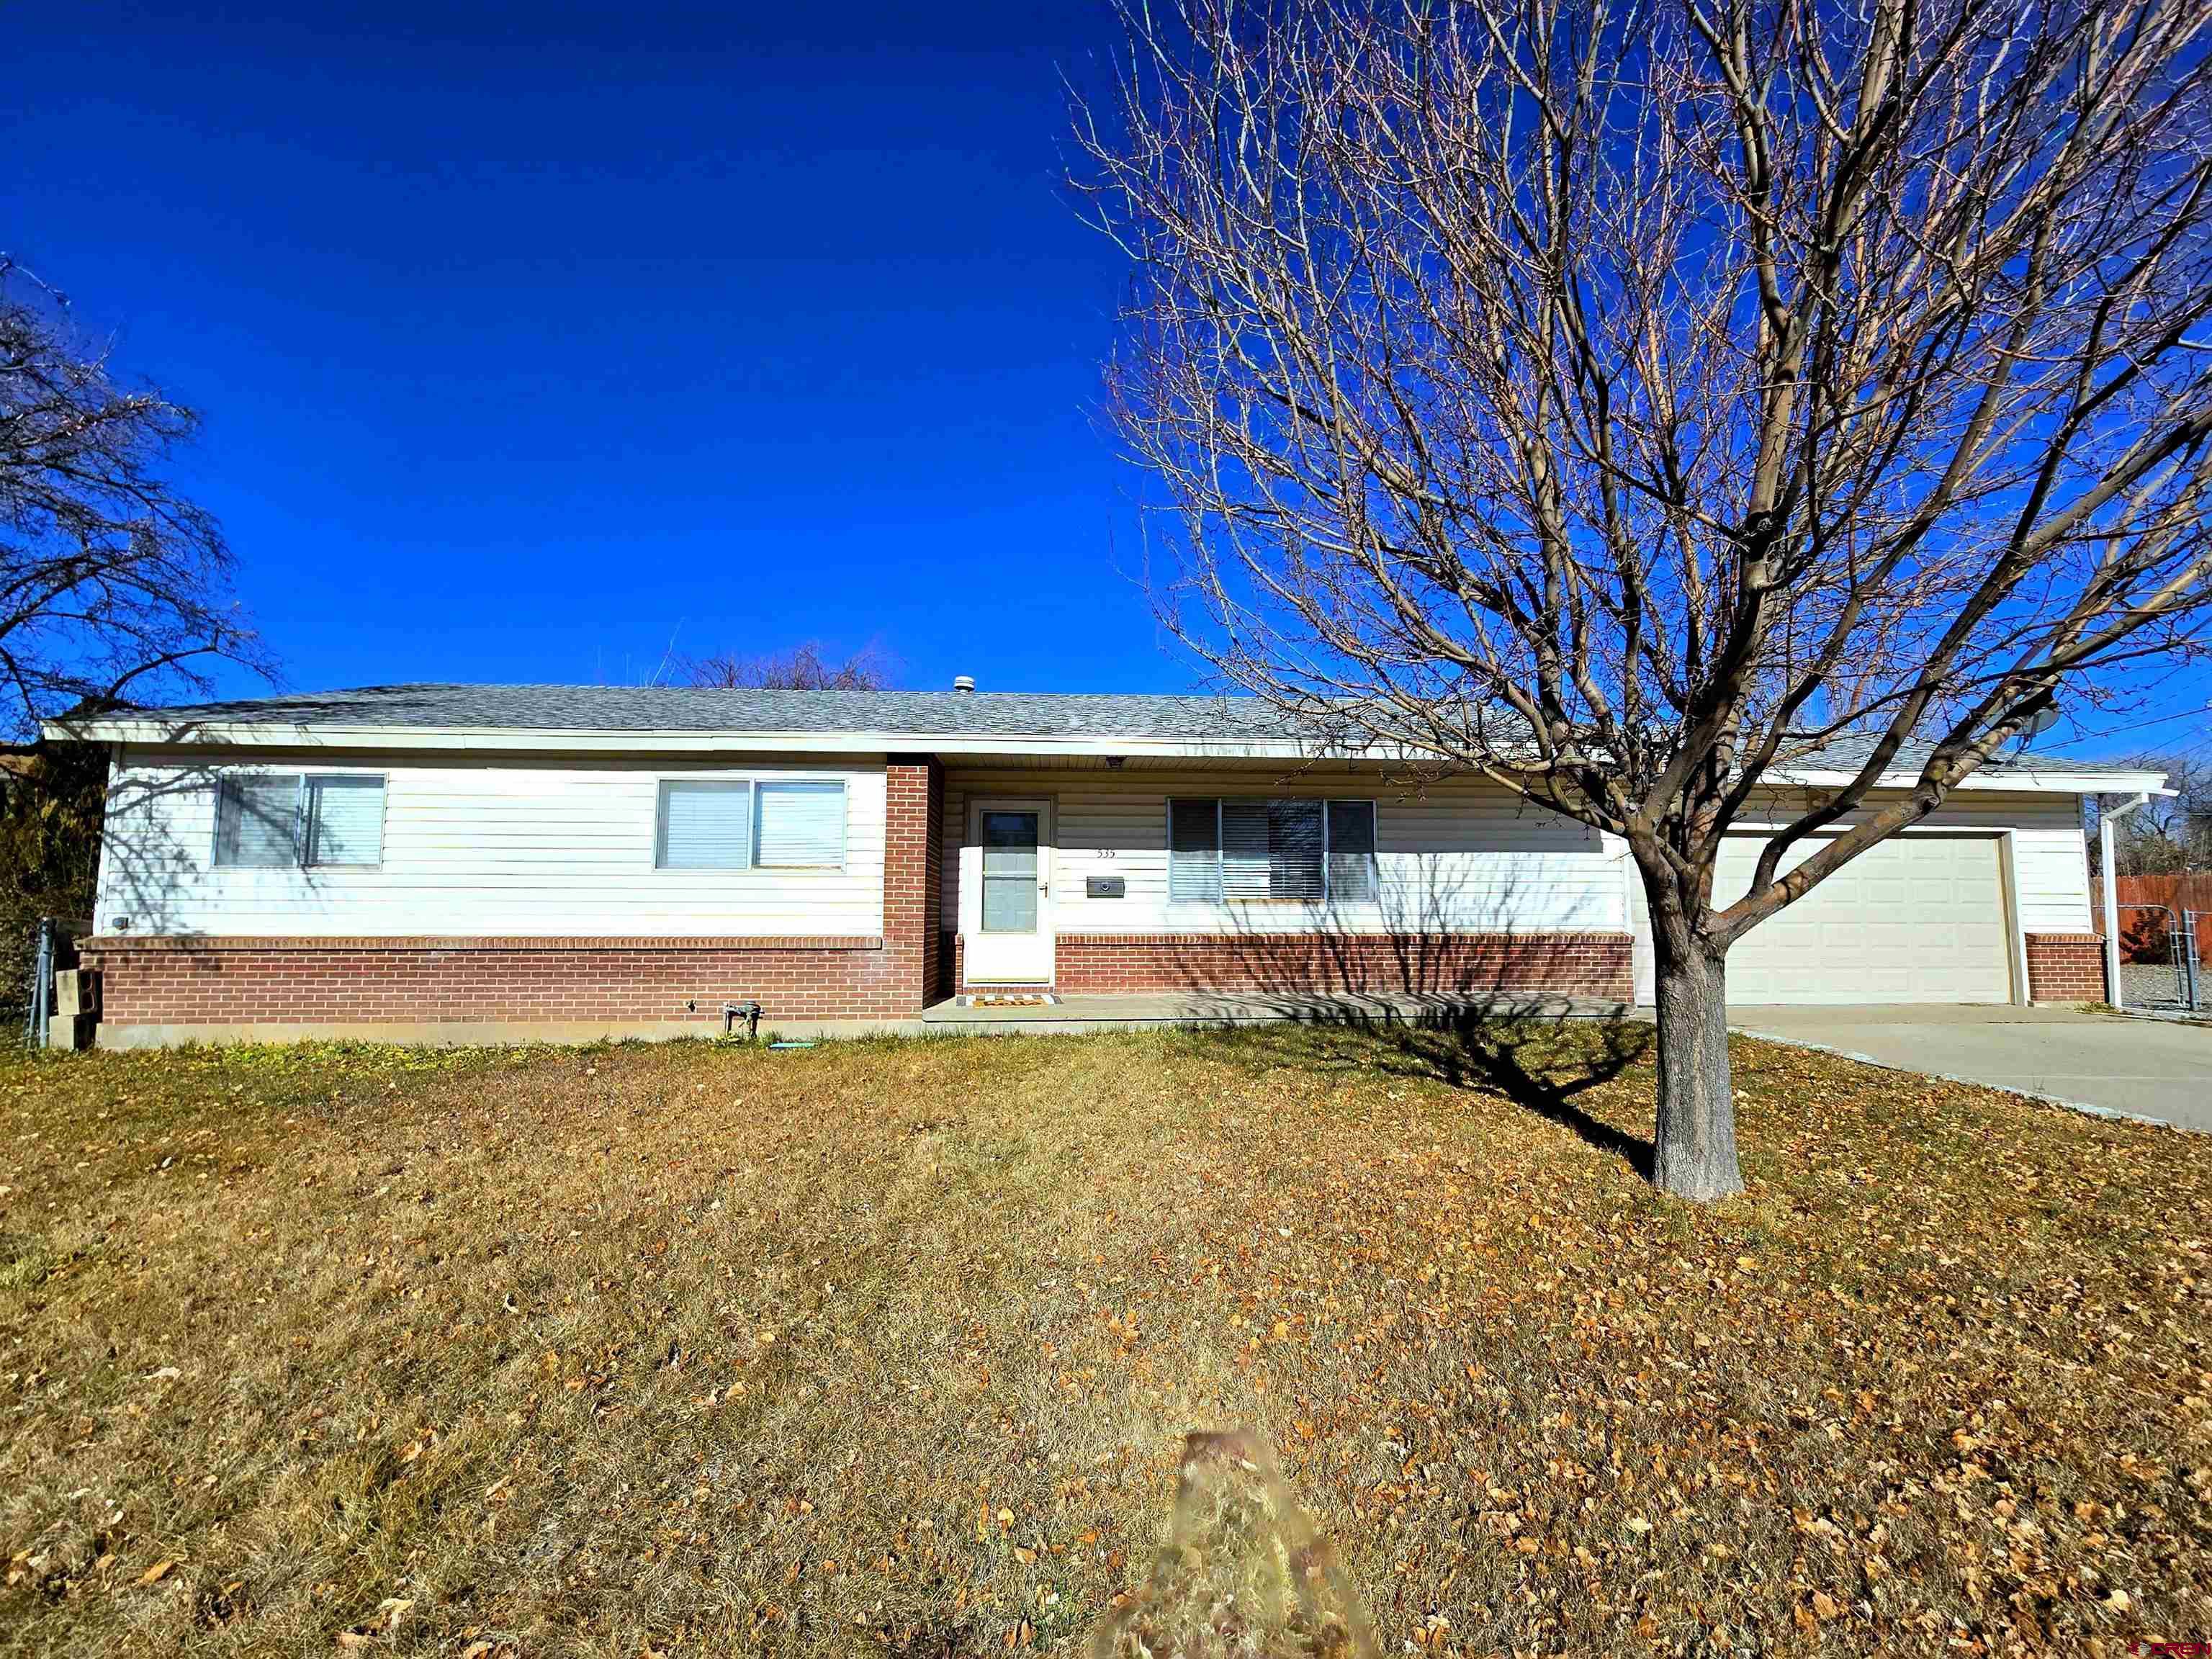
x: 1201, y: 1008
x: 2157, y: 1070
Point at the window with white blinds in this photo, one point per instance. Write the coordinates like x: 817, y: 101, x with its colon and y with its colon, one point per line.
x: 705, y: 824
x: 800, y: 826
x: 749, y: 823
x: 1194, y: 852
x: 345, y: 820
x: 1352, y: 878
x: 257, y: 823
x: 1256, y: 851
x: 289, y: 820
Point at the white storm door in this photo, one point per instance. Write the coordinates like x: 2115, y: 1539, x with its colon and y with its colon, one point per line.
x: 1009, y: 928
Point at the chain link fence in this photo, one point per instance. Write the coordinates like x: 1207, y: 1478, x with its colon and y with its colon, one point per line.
x: 2160, y: 959
x: 2193, y: 930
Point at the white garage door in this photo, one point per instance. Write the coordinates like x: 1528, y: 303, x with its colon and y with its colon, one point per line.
x: 1920, y: 919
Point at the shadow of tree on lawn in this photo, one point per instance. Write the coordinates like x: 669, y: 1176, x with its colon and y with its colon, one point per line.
x: 1467, y: 1049
x: 1515, y: 1048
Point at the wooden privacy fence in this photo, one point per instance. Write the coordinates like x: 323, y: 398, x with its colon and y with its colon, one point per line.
x: 2143, y: 933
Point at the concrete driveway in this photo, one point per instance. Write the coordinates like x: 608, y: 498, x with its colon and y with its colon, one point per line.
x: 2147, y: 1068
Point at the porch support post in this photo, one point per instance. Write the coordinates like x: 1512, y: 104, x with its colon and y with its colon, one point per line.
x: 913, y: 809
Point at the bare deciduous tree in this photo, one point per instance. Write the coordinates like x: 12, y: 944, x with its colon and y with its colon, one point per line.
x: 1636, y: 404
x: 113, y: 585
x: 2172, y: 835
x: 803, y: 668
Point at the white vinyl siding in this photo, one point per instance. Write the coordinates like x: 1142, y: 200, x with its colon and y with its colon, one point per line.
x: 1458, y: 856
x: 475, y: 846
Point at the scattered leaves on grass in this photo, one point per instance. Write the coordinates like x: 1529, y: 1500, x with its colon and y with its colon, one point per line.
x: 623, y: 1348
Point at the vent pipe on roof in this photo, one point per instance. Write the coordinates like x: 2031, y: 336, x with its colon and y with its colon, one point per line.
x: 963, y: 681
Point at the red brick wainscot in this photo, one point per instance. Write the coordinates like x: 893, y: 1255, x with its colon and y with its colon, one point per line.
x: 2065, y: 967
x: 1429, y: 965
x: 321, y: 981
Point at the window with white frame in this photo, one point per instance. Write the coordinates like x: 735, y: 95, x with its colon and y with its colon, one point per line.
x: 1353, y: 877
x: 299, y: 820
x: 706, y: 823
x: 748, y: 823
x: 1259, y: 850
x: 799, y: 825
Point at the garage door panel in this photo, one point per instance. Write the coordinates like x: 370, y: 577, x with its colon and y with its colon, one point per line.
x: 1916, y: 920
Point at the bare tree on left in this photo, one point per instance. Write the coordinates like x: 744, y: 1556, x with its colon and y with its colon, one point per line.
x: 114, y: 586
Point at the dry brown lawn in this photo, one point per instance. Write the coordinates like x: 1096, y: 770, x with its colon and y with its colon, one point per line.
x: 889, y: 1346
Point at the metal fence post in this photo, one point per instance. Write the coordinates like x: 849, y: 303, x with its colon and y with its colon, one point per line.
x: 42, y: 984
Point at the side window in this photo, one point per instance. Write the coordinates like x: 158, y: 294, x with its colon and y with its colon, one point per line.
x: 745, y: 823
x: 1351, y: 873
x: 288, y: 820
x: 706, y: 823
x: 800, y: 826
x: 257, y: 822
x: 345, y: 820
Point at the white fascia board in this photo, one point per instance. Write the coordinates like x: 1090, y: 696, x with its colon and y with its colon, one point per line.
x: 510, y: 740
x: 2054, y: 781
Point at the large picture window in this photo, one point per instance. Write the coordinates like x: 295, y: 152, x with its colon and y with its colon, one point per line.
x: 296, y: 820
x: 1258, y: 850
x: 745, y: 823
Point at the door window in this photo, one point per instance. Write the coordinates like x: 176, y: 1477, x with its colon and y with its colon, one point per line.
x: 1010, y: 873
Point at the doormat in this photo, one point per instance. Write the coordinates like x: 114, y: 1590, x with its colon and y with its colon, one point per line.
x: 1009, y: 999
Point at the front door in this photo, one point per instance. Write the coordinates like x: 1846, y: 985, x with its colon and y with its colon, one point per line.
x: 1009, y: 922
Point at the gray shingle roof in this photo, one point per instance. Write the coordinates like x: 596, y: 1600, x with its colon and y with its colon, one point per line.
x: 695, y: 708
x: 709, y: 709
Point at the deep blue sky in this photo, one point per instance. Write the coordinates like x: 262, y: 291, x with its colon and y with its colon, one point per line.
x: 531, y: 338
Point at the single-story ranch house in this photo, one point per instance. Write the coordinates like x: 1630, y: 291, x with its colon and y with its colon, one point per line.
x: 482, y: 861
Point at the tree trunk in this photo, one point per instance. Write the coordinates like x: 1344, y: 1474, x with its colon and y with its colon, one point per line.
x: 1694, y: 1146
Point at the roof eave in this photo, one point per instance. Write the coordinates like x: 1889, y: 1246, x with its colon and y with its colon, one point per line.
x: 2055, y: 779
x: 294, y: 735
